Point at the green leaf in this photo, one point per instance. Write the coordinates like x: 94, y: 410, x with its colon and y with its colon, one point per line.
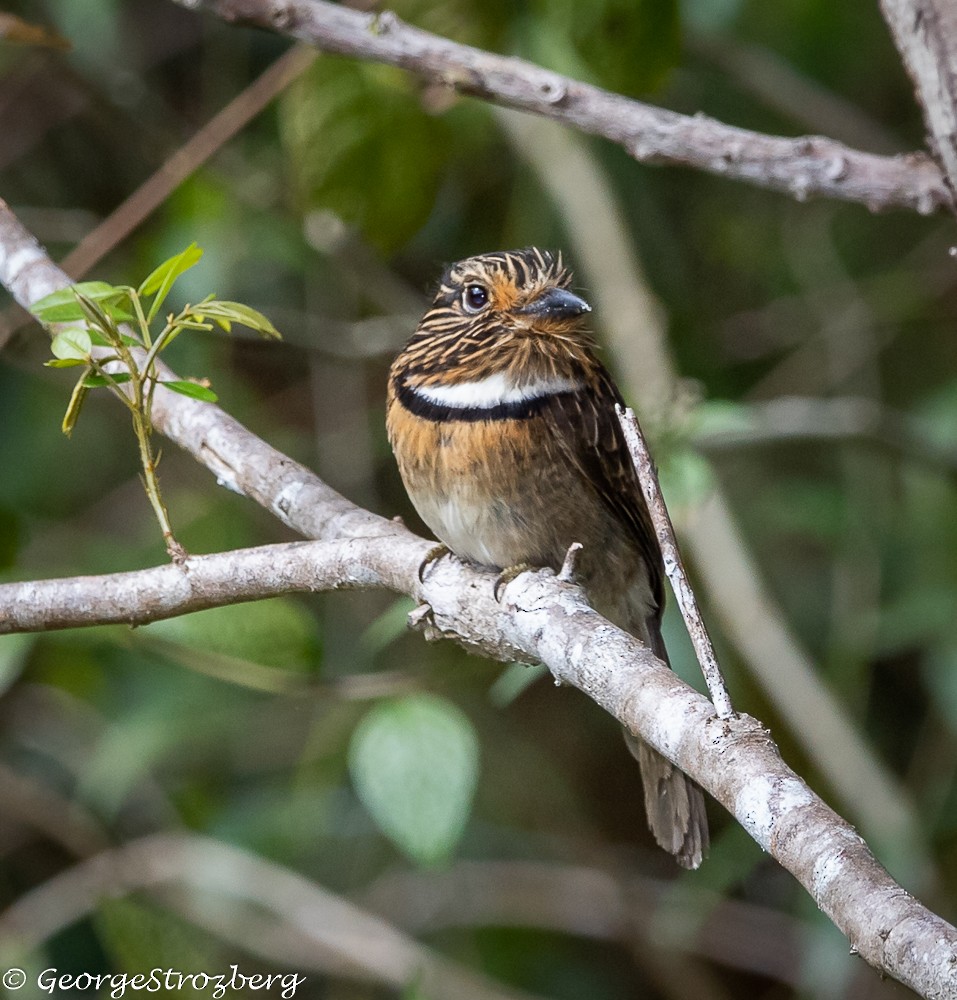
x: 161, y: 280
x: 414, y: 762
x: 118, y: 316
x: 72, y: 344
x: 193, y: 390
x: 62, y: 306
x: 334, y: 121
x: 226, y: 313
x: 64, y: 363
x: 74, y: 406
x: 95, y: 381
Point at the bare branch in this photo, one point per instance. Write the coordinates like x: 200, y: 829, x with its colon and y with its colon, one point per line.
x: 802, y: 167
x: 925, y: 33
x: 674, y: 566
x: 186, y: 160
x: 194, y: 584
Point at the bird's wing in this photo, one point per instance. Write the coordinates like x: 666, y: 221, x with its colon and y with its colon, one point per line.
x: 590, y: 437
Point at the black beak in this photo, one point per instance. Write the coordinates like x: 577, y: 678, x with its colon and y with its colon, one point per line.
x: 556, y: 303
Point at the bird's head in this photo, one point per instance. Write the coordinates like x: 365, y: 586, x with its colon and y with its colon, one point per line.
x: 517, y: 290
x: 508, y: 311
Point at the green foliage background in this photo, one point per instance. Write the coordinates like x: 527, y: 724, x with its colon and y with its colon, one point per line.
x: 332, y: 212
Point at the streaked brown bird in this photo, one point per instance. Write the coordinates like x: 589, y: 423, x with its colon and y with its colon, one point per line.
x: 503, y: 423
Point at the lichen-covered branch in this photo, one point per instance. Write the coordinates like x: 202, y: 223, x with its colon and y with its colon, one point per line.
x: 802, y: 167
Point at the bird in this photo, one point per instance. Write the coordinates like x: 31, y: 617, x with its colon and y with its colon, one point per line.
x: 502, y: 420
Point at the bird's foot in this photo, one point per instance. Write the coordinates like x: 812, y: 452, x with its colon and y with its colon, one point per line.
x: 433, y: 555
x: 507, y: 575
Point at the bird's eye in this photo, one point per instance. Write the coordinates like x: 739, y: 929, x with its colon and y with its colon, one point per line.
x: 475, y: 298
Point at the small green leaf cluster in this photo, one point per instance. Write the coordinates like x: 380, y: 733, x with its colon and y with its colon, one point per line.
x: 103, y: 310
x: 111, y: 336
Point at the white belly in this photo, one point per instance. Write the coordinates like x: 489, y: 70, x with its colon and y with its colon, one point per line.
x: 481, y: 532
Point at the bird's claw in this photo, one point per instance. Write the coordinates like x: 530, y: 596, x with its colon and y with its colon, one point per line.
x: 433, y: 555
x: 507, y: 575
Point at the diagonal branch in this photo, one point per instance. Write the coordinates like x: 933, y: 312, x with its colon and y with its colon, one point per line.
x: 674, y: 564
x: 802, y: 167
x: 184, y: 162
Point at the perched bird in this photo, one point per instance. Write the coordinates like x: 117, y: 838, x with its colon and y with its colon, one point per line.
x: 503, y: 423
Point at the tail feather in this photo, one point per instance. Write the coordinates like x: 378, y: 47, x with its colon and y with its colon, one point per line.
x: 674, y: 804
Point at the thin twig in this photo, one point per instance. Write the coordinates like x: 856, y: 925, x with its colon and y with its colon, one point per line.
x: 187, y: 160
x: 674, y: 567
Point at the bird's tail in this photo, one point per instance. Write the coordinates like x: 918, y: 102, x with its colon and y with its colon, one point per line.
x: 674, y: 803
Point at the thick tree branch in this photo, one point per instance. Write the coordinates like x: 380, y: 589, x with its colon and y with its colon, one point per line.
x: 546, y: 619
x: 197, y: 583
x: 925, y: 33
x: 803, y: 167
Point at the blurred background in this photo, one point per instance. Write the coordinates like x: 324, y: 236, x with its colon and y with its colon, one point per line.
x: 796, y: 370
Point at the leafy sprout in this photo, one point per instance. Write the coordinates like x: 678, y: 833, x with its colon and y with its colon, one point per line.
x: 114, y: 336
